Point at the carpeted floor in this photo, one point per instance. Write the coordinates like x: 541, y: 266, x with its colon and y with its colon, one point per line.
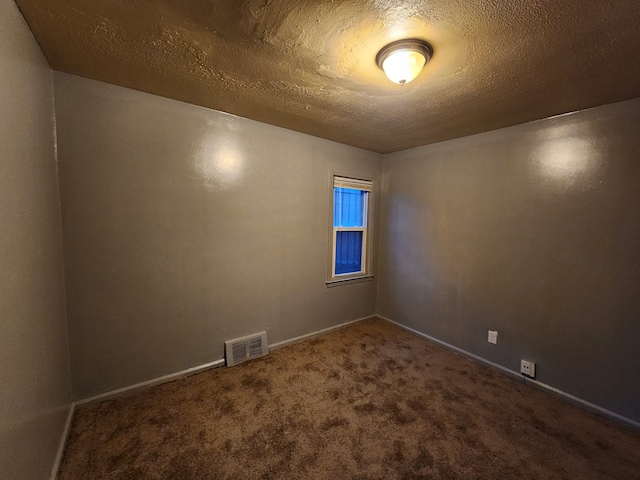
x: 367, y: 402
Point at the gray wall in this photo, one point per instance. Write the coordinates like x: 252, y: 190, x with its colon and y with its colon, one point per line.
x: 534, y: 231
x: 185, y: 227
x: 35, y: 390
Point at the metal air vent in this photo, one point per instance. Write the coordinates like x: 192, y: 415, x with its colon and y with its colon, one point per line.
x: 246, y: 348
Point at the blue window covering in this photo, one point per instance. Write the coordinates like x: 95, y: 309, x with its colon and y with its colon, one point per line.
x: 348, y: 207
x: 349, y: 212
x: 348, y: 252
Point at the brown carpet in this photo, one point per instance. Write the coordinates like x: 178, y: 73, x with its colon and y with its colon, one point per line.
x: 367, y: 402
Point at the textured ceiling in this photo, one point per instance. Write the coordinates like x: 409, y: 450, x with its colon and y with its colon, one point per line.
x: 309, y: 65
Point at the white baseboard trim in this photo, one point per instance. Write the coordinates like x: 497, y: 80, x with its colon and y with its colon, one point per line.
x: 307, y: 336
x: 63, y: 442
x: 513, y: 373
x: 200, y: 368
x: 150, y: 383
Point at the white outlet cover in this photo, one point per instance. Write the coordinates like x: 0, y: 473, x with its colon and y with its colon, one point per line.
x: 528, y: 368
x: 493, y: 336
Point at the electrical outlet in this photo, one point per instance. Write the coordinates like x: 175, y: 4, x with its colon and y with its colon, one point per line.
x: 528, y: 368
x: 493, y: 336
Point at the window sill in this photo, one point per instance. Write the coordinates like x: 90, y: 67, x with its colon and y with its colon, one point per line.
x: 348, y: 281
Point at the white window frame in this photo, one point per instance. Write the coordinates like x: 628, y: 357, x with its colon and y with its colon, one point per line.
x: 355, y: 184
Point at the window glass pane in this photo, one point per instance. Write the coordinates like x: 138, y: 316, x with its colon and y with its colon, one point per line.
x: 348, y: 252
x: 348, y: 208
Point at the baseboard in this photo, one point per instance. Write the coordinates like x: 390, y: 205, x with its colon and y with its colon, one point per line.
x: 307, y: 336
x: 512, y: 373
x: 200, y: 368
x: 63, y: 442
x: 150, y: 383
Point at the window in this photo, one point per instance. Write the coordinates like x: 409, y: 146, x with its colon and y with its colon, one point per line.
x: 350, y: 219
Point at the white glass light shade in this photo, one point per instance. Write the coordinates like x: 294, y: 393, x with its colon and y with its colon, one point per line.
x: 402, y: 66
x: 402, y: 61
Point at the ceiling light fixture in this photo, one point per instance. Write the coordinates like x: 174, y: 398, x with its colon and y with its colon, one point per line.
x: 402, y: 61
